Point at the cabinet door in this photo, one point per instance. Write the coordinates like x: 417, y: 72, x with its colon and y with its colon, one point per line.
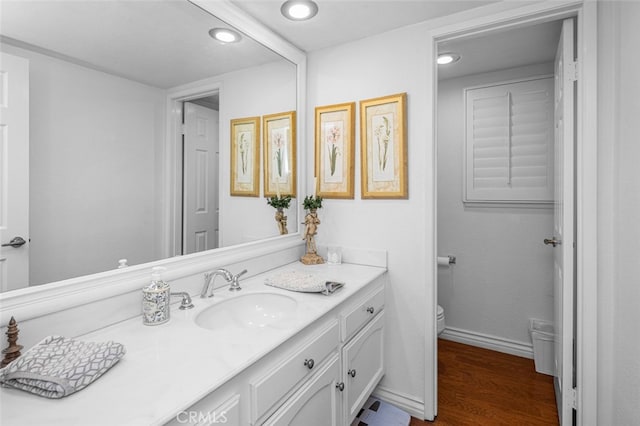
x: 268, y: 391
x: 363, y: 365
x: 317, y: 403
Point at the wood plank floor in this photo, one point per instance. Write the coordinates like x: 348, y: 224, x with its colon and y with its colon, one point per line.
x: 481, y: 387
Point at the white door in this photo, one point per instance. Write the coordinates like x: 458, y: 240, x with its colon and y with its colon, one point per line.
x: 14, y: 172
x: 200, y: 203
x: 563, y: 223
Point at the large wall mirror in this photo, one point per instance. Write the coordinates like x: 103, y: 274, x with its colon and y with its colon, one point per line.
x: 112, y: 89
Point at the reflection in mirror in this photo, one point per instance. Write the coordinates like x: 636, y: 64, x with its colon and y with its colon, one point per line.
x: 106, y: 180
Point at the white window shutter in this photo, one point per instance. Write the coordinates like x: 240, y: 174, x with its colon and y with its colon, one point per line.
x: 509, y: 142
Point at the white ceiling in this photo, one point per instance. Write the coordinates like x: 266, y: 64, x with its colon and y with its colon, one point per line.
x: 341, y: 21
x: 164, y: 43
x: 501, y: 50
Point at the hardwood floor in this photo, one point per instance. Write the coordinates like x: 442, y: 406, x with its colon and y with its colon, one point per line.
x: 481, y: 387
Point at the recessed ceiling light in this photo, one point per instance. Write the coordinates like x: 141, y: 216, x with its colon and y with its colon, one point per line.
x: 225, y: 35
x: 448, y: 58
x: 299, y: 10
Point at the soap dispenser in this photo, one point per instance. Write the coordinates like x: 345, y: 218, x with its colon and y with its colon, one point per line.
x: 155, y: 299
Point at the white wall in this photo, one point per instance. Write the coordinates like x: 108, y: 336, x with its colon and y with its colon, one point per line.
x: 256, y: 91
x: 504, y: 273
x: 95, y: 152
x: 619, y: 209
x: 383, y: 65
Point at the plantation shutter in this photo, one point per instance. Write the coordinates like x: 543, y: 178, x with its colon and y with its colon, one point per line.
x: 509, y: 142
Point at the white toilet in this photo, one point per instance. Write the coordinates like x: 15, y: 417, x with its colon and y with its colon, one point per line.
x: 440, y: 320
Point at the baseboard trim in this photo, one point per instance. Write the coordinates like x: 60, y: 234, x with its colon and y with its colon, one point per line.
x: 487, y: 341
x: 403, y: 401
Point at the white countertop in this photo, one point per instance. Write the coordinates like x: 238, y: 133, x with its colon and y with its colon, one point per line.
x: 169, y: 367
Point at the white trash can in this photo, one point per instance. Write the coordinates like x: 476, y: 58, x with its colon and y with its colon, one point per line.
x: 543, y: 339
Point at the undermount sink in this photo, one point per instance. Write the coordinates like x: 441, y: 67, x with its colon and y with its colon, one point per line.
x: 254, y: 310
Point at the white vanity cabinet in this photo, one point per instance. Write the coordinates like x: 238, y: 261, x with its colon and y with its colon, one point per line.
x: 325, y: 400
x: 321, y: 376
x: 315, y: 367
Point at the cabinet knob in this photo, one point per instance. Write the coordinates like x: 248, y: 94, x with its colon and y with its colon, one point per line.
x: 370, y: 309
x: 309, y: 363
x: 352, y: 373
x: 340, y: 386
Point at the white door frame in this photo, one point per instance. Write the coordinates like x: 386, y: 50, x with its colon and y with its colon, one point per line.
x: 586, y: 188
x: 172, y: 231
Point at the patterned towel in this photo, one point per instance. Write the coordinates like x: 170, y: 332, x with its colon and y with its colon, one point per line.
x: 58, y: 367
x: 297, y: 281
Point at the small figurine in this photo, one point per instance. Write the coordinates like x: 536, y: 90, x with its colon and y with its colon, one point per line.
x: 281, y: 219
x: 13, y: 351
x: 280, y: 203
x: 311, y: 223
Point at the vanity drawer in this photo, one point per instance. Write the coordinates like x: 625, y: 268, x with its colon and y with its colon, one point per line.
x: 362, y: 313
x: 283, y: 378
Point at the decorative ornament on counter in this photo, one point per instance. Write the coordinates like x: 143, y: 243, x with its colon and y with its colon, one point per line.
x: 13, y: 351
x: 280, y: 203
x: 311, y: 222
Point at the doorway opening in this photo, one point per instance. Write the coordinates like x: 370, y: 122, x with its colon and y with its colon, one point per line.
x: 497, y: 193
x: 192, y: 170
x: 200, y: 173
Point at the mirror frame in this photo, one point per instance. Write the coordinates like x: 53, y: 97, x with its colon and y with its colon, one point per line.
x: 31, y: 302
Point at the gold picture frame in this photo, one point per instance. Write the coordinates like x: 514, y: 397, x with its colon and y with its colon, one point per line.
x: 384, y: 147
x: 245, y: 157
x: 335, y: 147
x: 279, y: 154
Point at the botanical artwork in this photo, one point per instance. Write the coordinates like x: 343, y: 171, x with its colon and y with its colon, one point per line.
x: 383, y: 161
x: 279, y: 154
x: 245, y: 159
x: 334, y: 146
x: 384, y: 147
x: 245, y: 156
x: 334, y: 150
x: 279, y: 144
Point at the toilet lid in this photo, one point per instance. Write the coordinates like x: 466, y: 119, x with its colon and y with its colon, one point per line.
x: 440, y: 310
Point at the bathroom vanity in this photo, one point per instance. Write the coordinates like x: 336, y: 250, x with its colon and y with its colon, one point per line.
x: 314, y: 359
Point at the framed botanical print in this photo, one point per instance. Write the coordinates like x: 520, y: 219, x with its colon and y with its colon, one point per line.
x: 335, y: 147
x: 384, y: 147
x: 279, y: 154
x: 245, y: 156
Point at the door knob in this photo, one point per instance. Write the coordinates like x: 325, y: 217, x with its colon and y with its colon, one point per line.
x: 15, y: 242
x: 552, y: 241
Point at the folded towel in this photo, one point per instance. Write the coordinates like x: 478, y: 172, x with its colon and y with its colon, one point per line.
x: 297, y: 281
x: 57, y: 366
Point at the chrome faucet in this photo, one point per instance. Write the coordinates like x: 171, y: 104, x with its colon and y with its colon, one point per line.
x: 209, y: 278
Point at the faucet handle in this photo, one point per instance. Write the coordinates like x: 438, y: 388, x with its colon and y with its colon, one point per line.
x: 186, y: 302
x: 235, y: 283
